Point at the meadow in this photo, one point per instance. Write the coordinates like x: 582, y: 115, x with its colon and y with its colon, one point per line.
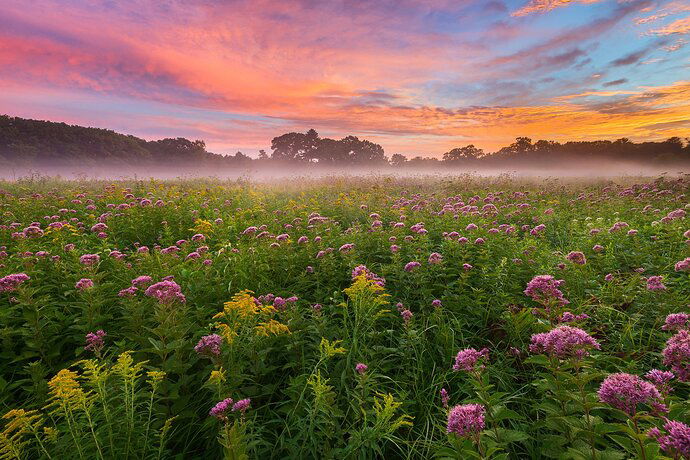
x: 358, y: 318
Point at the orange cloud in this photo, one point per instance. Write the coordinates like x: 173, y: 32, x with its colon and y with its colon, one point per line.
x: 543, y: 6
x: 680, y: 26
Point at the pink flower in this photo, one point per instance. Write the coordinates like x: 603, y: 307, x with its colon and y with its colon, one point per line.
x: 361, y: 368
x: 544, y: 289
x: 141, y: 280
x: 435, y: 258
x: 445, y: 398
x: 84, y: 284
x: 677, y: 355
x: 406, y: 316
x: 654, y: 283
x: 627, y: 391
x: 209, y: 345
x: 577, y: 257
x: 466, y: 420
x: 89, y: 259
x: 411, y: 266
x: 165, y: 291
x: 94, y: 341
x: 676, y: 322
x: 10, y: 283
x: 676, y: 441
x: 683, y: 265
x: 564, y: 342
x: 470, y: 360
x: 128, y: 292
x: 242, y: 405
x: 220, y: 410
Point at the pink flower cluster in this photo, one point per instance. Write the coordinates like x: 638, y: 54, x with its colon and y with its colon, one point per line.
x: 564, y: 342
x: 94, y: 341
x: 544, y: 289
x: 677, y: 355
x: 467, y: 360
x: 626, y: 391
x: 209, y: 345
x: 10, y: 283
x: 676, y: 322
x: 362, y: 270
x: 165, y: 291
x: 466, y: 420
x: 676, y: 441
x: 577, y: 257
x: 221, y: 409
x: 654, y: 283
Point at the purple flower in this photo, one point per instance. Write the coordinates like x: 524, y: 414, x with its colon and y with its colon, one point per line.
x: 411, y: 266
x: 676, y: 441
x: 445, y: 398
x: 627, y: 391
x: 654, y: 283
x: 676, y: 322
x: 467, y: 359
x: 466, y: 420
x: 544, y: 290
x: 128, y: 292
x: 677, y: 355
x: 564, y: 342
x: 435, y: 258
x: 242, y: 405
x: 683, y: 265
x: 89, y: 259
x: 209, y: 345
x: 84, y: 284
x: 140, y: 280
x: 165, y: 291
x: 362, y: 270
x: 361, y: 368
x: 568, y: 317
x: 94, y: 341
x: 576, y: 257
x: 661, y: 380
x: 608, y: 277
x: 597, y: 248
x: 406, y: 315
x: 436, y: 303
x: 220, y: 410
x: 346, y: 247
x: 10, y: 283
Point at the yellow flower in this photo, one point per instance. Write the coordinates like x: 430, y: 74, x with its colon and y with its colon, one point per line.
x: 329, y: 349
x: 217, y: 377
x: 271, y: 327
x: 155, y: 378
x: 65, y: 389
x: 242, y: 305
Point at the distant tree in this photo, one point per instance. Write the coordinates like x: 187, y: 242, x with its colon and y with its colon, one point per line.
x: 467, y: 153
x: 295, y: 146
x: 398, y: 159
x: 263, y: 155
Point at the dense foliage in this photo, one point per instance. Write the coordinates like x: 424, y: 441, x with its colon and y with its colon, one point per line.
x: 351, y: 318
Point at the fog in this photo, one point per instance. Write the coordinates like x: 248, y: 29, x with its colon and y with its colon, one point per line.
x: 268, y: 173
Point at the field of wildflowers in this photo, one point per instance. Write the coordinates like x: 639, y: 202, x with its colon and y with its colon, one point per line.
x: 345, y: 318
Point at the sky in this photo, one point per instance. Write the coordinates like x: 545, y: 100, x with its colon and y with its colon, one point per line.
x: 418, y: 77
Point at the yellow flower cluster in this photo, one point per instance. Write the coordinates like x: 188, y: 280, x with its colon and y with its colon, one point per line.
x: 66, y: 391
x: 243, y: 310
x: 271, y: 327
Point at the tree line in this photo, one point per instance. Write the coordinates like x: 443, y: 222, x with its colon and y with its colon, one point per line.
x: 27, y: 142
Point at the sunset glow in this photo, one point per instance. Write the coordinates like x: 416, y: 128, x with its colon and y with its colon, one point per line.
x: 418, y: 77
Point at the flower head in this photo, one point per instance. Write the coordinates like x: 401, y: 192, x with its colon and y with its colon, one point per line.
x: 654, y: 283
x: 564, y: 342
x: 470, y: 359
x: 466, y: 420
x: 677, y: 355
x: 627, y: 391
x: 361, y: 368
x: 209, y: 345
x: 676, y: 322
x: 577, y: 257
x: 94, y: 341
x: 220, y: 410
x: 676, y: 441
x: 544, y: 289
x: 165, y: 291
x: 10, y: 283
x: 84, y: 284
